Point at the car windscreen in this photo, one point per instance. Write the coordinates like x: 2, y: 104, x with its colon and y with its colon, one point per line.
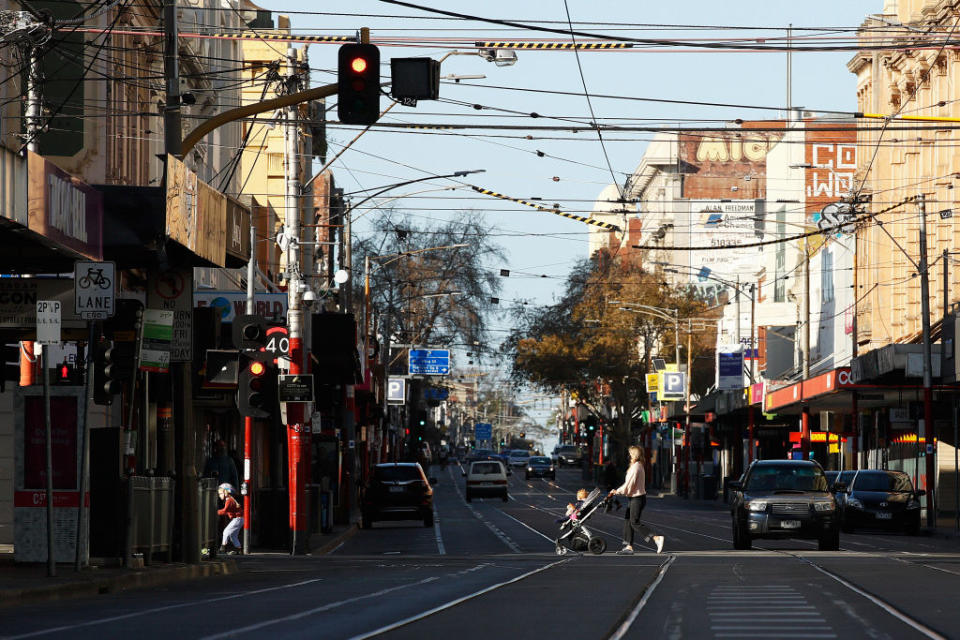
x: 567, y: 449
x: 484, y: 468
x: 520, y: 454
x: 397, y: 473
x: 883, y: 481
x: 539, y: 460
x: 482, y: 453
x: 786, y: 478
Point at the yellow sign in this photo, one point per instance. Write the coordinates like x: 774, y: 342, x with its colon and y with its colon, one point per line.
x: 652, y: 382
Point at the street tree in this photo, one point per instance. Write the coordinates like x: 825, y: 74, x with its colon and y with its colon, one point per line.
x: 597, y: 342
x: 421, y: 292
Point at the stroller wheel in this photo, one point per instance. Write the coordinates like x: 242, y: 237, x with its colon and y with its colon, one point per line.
x: 560, y: 550
x: 597, y: 546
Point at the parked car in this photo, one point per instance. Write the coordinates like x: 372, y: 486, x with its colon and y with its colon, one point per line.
x: 569, y: 455
x: 784, y: 499
x: 398, y: 491
x: 519, y: 458
x: 486, y: 478
x: 541, y: 467
x: 879, y: 499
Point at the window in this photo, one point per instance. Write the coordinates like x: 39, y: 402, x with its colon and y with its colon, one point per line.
x: 396, y: 473
x: 826, y: 275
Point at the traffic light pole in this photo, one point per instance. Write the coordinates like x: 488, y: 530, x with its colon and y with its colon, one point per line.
x: 297, y: 437
x: 246, y: 489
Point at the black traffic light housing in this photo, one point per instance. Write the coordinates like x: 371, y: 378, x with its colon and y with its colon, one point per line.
x: 256, y: 386
x: 249, y: 332
x: 358, y: 83
x: 413, y: 79
x: 101, y: 383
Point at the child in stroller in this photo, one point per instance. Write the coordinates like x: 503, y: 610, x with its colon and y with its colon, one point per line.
x: 574, y: 535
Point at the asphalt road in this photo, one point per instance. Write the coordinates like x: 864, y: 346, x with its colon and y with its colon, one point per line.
x: 488, y: 569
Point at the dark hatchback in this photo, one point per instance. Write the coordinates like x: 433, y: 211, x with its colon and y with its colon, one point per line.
x: 784, y: 499
x: 398, y: 491
x: 878, y: 499
x: 541, y: 467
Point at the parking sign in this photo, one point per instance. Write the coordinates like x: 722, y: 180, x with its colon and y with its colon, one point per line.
x: 396, y: 390
x: 673, y: 385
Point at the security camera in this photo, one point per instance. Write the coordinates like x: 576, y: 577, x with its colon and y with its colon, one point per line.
x: 309, y: 297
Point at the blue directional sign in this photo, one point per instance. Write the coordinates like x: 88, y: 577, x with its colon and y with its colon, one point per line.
x: 436, y: 393
x: 483, y: 431
x: 429, y: 362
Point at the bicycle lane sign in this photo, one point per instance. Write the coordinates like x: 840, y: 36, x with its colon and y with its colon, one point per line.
x: 94, y: 283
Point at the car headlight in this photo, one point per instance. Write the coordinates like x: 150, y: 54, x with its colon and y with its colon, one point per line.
x: 529, y: 468
x: 853, y: 502
x: 824, y: 506
x: 757, y: 505
x: 551, y: 468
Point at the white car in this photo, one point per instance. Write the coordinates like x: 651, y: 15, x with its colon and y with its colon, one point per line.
x: 486, y: 478
x: 518, y: 458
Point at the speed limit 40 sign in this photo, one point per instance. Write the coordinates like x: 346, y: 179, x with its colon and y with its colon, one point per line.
x: 278, y: 342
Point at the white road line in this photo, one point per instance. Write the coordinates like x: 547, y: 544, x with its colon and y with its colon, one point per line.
x: 334, y: 550
x: 496, y: 531
x: 453, y: 603
x: 527, y: 526
x: 436, y: 532
x: 315, y: 610
x: 622, y: 630
x: 893, y: 611
x: 778, y: 635
x: 127, y: 616
x: 930, y: 566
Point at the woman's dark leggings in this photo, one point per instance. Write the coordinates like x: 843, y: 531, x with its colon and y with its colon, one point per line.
x: 631, y: 522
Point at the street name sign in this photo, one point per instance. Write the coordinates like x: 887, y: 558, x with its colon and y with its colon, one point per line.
x: 48, y: 321
x: 94, y: 285
x: 429, y: 362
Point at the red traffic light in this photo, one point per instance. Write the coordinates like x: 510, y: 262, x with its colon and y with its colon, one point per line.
x: 257, y: 368
x: 358, y: 64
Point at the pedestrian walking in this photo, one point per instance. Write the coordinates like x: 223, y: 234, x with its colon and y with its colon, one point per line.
x: 231, y: 509
x: 634, y: 489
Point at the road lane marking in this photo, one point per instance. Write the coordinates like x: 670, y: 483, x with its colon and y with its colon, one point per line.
x: 504, y: 538
x: 889, y: 608
x: 127, y: 616
x: 527, y: 526
x: 436, y: 532
x: 315, y: 610
x: 453, y: 603
x: 623, y: 628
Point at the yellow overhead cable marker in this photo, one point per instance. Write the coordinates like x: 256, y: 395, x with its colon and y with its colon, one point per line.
x: 594, y: 222
x: 881, y: 116
x: 553, y: 45
x: 224, y: 36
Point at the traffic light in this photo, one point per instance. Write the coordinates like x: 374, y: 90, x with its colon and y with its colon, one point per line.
x: 256, y: 387
x: 249, y: 332
x: 358, y: 83
x: 523, y: 435
x: 66, y: 373
x: 102, y: 393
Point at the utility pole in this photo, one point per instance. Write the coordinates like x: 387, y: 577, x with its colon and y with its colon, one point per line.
x: 927, y: 432
x: 172, y: 127
x: 753, y: 359
x: 805, y: 355
x: 246, y: 490
x: 297, y: 436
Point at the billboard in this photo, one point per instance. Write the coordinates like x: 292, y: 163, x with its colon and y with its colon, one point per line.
x: 729, y: 367
x: 726, y: 224
x: 727, y: 164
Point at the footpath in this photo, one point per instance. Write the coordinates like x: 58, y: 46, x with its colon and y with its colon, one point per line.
x: 29, y: 583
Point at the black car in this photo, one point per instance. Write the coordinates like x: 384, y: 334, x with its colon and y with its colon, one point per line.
x: 784, y: 499
x: 878, y: 499
x: 398, y: 491
x: 541, y: 467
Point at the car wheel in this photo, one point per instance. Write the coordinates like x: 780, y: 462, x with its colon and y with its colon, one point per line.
x: 428, y: 520
x: 553, y: 477
x: 830, y: 541
x: 741, y: 539
x: 527, y: 476
x: 597, y: 546
x: 506, y: 498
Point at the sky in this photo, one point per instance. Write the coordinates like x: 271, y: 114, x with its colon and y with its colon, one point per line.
x: 569, y: 169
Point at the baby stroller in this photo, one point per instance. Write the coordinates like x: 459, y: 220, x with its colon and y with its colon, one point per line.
x: 574, y: 535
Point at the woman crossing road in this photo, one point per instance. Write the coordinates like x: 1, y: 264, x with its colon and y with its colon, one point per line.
x: 634, y: 489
